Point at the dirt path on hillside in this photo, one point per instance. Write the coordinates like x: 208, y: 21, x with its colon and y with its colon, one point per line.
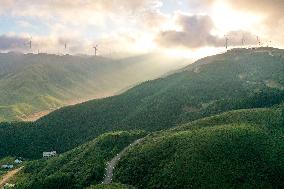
x: 8, y: 176
x: 111, y: 164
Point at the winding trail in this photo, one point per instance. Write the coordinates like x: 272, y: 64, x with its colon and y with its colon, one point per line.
x: 8, y: 176
x: 111, y: 164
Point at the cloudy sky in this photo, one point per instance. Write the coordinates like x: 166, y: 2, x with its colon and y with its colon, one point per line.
x: 178, y: 27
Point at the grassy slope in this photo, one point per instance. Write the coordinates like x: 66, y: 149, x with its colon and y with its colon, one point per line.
x: 78, y: 168
x: 231, y: 81
x: 32, y: 83
x: 241, y: 149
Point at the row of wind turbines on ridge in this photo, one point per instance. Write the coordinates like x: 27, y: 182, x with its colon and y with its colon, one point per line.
x: 30, y: 45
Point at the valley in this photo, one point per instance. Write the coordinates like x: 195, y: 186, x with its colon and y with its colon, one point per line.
x: 33, y: 85
x: 37, y: 115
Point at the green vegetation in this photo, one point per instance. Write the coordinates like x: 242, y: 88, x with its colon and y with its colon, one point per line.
x: 4, y: 161
x: 230, y: 115
x: 78, y: 168
x: 231, y: 81
x: 34, y: 83
x: 111, y: 186
x: 7, y: 160
x: 240, y: 149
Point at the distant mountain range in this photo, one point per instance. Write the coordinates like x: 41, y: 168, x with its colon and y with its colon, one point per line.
x: 32, y: 85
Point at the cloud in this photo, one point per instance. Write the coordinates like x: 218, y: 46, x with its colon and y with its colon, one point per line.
x: 77, y: 9
x: 196, y: 32
x: 117, y: 42
x: 272, y: 12
x: 21, y: 43
x: 4, y: 5
x: 83, y: 22
x: 272, y: 7
x: 12, y: 42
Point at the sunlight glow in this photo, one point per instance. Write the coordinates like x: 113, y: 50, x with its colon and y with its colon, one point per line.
x: 145, y: 44
x: 192, y: 54
x: 227, y: 19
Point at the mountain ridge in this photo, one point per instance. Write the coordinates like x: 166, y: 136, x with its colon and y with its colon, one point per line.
x: 155, y: 105
x: 32, y: 83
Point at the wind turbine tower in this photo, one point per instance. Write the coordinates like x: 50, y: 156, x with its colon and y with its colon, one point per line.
x: 243, y: 40
x: 96, y: 49
x: 30, y: 42
x: 65, y: 47
x: 258, y: 40
x: 227, y: 42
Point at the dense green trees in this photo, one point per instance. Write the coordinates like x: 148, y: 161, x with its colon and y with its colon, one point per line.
x: 111, y: 186
x: 221, y: 83
x: 242, y: 149
x: 78, y: 168
x: 236, y: 149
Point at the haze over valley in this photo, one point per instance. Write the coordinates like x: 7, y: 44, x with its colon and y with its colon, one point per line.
x: 32, y: 85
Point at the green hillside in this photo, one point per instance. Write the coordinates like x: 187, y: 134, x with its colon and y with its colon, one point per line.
x: 239, y: 79
x: 78, y: 168
x: 37, y: 82
x: 240, y: 149
x: 111, y: 186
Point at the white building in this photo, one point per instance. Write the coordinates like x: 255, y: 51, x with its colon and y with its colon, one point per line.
x: 7, y: 166
x: 17, y: 161
x: 8, y: 185
x: 49, y: 154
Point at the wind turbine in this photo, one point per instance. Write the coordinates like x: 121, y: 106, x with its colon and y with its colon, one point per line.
x: 258, y: 40
x: 96, y: 49
x: 29, y: 43
x: 227, y: 42
x: 243, y: 40
x: 65, y: 47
